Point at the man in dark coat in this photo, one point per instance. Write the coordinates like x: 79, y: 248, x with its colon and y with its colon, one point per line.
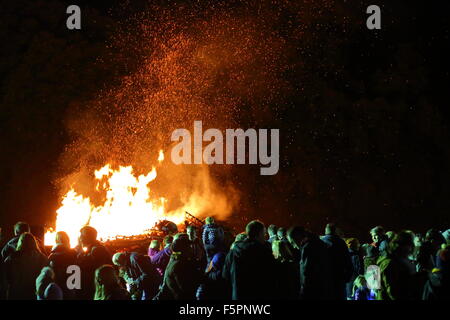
x: 426, y: 257
x: 139, y: 273
x: 341, y: 263
x: 91, y: 255
x: 182, y: 277
x: 8, y: 249
x: 250, y: 266
x: 61, y: 257
x: 10, y: 246
x: 22, y: 267
x: 315, y: 267
x: 397, y: 271
x: 198, y: 250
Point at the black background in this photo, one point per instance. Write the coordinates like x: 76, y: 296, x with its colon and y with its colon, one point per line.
x: 364, y: 142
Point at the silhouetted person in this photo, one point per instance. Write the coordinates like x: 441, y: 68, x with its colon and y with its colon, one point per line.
x: 61, y: 257
x: 92, y: 254
x: 139, y: 273
x: 341, y: 263
x: 107, y: 285
x: 212, y: 237
x: 198, y: 250
x: 286, y: 271
x: 250, y: 266
x: 397, y: 281
x: 426, y: 256
x: 46, y: 287
x: 239, y: 237
x: 380, y: 239
x: 281, y: 234
x: 357, y: 264
x: 315, y: 269
x: 22, y: 267
x: 153, y: 248
x: 19, y: 228
x: 438, y: 285
x: 161, y: 259
x: 182, y: 277
x: 272, y: 232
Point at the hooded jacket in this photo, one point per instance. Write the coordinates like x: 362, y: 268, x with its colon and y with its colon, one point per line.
x: 212, y: 235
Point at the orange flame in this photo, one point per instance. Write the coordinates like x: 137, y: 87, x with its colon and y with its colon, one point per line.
x: 128, y: 209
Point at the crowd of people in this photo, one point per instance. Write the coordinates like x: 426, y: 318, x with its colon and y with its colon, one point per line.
x: 209, y: 264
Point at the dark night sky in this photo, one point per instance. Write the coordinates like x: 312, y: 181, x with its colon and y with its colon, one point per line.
x: 364, y: 139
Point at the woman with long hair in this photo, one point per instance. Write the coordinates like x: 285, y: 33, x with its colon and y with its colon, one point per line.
x: 23, y: 267
x: 61, y: 257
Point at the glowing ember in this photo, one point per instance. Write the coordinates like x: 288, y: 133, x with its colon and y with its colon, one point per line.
x: 160, y: 156
x: 127, y: 210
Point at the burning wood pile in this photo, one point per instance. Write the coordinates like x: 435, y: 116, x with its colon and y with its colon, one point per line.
x: 129, y: 212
